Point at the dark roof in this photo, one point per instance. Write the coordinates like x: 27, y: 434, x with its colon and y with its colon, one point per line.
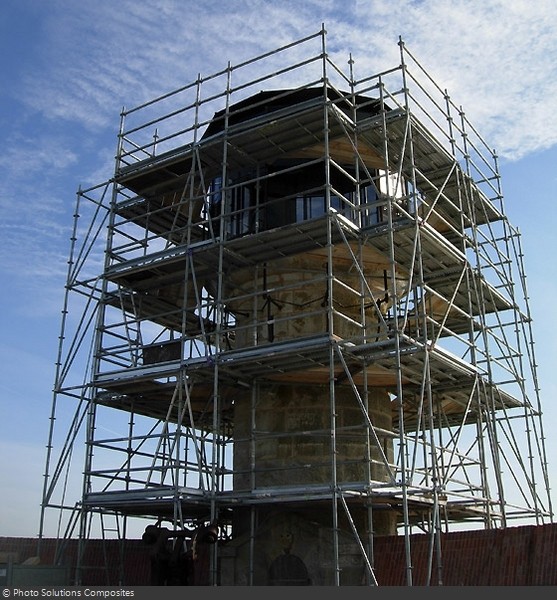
x: 270, y: 101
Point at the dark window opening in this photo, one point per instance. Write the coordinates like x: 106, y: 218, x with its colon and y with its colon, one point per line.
x: 294, y: 191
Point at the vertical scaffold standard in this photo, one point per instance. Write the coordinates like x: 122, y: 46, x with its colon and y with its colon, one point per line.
x: 310, y: 329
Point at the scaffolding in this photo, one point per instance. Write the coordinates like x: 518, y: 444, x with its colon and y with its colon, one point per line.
x: 299, y: 295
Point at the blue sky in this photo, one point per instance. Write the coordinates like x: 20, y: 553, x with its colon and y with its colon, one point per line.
x: 69, y: 67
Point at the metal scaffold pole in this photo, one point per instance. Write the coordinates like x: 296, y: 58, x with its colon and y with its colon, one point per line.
x: 301, y: 333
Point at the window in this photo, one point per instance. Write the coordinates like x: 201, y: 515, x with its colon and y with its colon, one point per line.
x: 239, y: 209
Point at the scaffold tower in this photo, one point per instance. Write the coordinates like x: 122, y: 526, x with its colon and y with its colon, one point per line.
x: 296, y: 319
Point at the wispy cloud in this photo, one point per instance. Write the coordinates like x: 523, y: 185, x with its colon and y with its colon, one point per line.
x: 26, y: 155
x: 74, y: 65
x: 496, y: 58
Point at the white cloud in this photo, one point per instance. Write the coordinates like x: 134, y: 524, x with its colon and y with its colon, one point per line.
x: 25, y: 155
x: 497, y: 58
